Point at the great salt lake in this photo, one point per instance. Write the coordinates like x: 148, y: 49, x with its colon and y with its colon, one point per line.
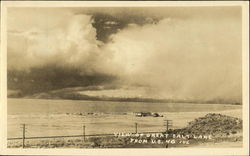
x: 24, y: 106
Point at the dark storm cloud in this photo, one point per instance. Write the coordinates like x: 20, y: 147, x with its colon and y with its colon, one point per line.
x: 107, y: 24
x: 51, y: 77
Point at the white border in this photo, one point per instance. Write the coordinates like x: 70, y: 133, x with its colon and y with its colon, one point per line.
x: 151, y: 151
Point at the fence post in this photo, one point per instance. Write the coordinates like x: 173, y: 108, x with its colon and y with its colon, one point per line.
x: 83, y: 132
x: 23, y: 135
x: 167, y: 125
x: 136, y: 127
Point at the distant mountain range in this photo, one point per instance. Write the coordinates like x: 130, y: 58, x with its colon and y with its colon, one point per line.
x: 99, y: 93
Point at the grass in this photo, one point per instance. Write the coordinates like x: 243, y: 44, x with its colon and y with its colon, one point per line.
x: 114, y: 142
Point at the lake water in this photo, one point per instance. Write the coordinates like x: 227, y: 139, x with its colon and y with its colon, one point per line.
x: 27, y: 106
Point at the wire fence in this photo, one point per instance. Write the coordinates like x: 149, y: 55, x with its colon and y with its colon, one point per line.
x: 24, y: 129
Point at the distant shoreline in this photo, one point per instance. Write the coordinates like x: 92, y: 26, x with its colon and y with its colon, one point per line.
x: 132, y: 100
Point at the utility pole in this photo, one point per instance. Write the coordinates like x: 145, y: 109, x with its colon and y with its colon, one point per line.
x: 168, y: 123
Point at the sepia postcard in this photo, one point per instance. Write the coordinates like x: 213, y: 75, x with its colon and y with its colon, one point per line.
x: 124, y: 78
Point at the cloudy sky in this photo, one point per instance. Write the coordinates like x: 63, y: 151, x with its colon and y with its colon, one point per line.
x: 175, y: 52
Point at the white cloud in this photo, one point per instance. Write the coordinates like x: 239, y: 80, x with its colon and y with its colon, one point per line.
x: 185, y: 58
x: 75, y: 44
